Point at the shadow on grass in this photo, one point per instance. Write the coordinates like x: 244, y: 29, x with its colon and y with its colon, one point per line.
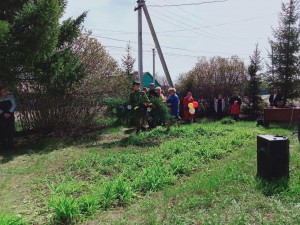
x: 272, y: 187
x: 31, y: 143
x: 136, y: 140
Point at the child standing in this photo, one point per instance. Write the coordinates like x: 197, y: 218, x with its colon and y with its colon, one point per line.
x: 235, y: 110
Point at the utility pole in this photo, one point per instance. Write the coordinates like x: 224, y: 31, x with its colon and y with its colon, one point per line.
x: 157, y: 45
x: 153, y: 65
x: 140, y: 39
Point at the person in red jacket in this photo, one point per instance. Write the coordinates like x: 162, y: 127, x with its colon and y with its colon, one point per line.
x: 186, y: 101
x: 235, y: 110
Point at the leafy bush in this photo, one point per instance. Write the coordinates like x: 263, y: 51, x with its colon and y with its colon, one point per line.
x: 6, y: 219
x: 39, y: 111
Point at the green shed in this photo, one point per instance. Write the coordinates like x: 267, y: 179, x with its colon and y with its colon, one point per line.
x: 148, y: 79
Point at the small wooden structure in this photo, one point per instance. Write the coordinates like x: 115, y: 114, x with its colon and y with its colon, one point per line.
x: 291, y: 115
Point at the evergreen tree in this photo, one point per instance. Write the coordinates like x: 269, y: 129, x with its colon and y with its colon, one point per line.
x: 128, y: 61
x: 36, y: 47
x: 285, y: 50
x: 254, y: 83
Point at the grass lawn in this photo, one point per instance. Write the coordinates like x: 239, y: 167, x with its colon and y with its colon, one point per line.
x: 203, y: 173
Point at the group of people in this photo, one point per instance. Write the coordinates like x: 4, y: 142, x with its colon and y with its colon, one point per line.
x: 137, y: 97
x: 219, y: 106
x: 142, y: 97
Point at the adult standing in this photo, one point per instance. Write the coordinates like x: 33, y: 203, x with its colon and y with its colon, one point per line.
x: 219, y: 105
x: 138, y: 100
x: 7, y: 119
x: 160, y: 94
x: 275, y: 98
x: 152, y: 93
x: 173, y: 102
x: 186, y: 101
x: 235, y: 105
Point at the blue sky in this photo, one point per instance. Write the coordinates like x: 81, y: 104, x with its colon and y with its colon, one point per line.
x: 225, y: 29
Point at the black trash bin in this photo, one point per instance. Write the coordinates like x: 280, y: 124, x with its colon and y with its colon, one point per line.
x: 273, y: 156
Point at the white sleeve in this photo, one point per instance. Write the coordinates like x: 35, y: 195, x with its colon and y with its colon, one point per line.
x: 13, y: 104
x: 216, y: 105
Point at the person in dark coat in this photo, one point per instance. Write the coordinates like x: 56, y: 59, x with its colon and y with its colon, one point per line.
x: 173, y: 102
x: 138, y: 100
x: 7, y: 119
x: 275, y: 98
x: 152, y: 92
x: 235, y: 101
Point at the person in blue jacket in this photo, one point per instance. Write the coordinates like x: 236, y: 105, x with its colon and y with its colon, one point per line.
x: 173, y: 102
x: 7, y: 119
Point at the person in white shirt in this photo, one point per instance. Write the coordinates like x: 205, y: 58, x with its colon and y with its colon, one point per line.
x: 219, y: 105
x: 7, y: 119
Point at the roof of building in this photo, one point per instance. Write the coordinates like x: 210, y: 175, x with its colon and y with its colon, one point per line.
x: 148, y: 79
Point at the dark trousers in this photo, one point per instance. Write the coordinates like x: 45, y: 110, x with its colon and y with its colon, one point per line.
x: 218, y: 115
x: 235, y: 117
x: 7, y: 129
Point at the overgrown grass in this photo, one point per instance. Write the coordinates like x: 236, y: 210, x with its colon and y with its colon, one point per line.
x: 6, y: 219
x: 205, y: 169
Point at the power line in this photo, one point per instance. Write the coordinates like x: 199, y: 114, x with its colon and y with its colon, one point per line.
x: 174, y: 48
x: 188, y: 4
x: 166, y: 53
x: 191, y: 28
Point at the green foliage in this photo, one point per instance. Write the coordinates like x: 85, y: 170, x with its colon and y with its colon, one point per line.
x: 227, y: 121
x: 117, y: 107
x: 253, y: 89
x: 36, y: 39
x: 284, y: 68
x: 88, y: 205
x: 218, y: 158
x: 160, y: 111
x: 6, y: 219
x: 123, y: 192
x: 128, y: 62
x: 107, y: 196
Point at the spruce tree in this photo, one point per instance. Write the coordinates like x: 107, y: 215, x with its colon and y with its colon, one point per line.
x: 285, y: 50
x: 36, y: 46
x: 128, y: 61
x: 254, y: 83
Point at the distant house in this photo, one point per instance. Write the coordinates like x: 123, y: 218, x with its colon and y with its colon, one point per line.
x: 148, y: 79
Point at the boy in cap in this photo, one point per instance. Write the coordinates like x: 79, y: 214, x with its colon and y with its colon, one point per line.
x: 138, y: 99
